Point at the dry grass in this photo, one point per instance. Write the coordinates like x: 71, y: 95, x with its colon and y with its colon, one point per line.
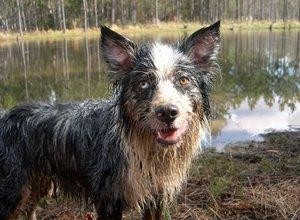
x: 256, y: 181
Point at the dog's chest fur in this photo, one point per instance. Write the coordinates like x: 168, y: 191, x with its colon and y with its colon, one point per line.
x: 155, y: 170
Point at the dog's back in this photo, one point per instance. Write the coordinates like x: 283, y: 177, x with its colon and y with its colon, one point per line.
x: 65, y: 143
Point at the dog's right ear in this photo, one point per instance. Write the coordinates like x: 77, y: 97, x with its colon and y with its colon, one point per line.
x: 117, y: 51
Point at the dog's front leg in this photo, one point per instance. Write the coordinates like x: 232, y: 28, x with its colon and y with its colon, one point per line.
x: 108, y: 211
x: 152, y: 212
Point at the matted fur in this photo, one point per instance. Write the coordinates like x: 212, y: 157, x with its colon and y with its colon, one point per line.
x: 120, y: 153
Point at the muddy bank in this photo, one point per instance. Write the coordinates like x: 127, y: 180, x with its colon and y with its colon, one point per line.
x: 253, y: 180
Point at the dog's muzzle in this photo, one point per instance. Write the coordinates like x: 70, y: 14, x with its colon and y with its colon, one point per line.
x: 169, y: 134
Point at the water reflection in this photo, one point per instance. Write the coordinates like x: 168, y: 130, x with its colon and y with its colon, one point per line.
x: 259, y: 90
x: 260, y: 86
x: 68, y: 70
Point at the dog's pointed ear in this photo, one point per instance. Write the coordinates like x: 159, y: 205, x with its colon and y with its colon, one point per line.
x: 117, y: 50
x: 202, y: 46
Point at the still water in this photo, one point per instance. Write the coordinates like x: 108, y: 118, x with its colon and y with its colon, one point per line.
x: 259, y: 90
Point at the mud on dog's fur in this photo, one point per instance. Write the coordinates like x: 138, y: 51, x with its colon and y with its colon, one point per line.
x: 129, y: 152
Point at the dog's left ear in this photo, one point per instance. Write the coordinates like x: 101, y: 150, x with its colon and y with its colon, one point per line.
x: 202, y: 46
x: 117, y: 51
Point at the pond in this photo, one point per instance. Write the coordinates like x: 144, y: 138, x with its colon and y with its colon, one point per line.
x: 259, y: 88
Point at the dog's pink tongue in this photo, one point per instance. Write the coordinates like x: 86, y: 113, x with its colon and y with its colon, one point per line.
x: 170, y: 135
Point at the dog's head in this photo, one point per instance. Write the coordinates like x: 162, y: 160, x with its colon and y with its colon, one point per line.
x: 163, y: 88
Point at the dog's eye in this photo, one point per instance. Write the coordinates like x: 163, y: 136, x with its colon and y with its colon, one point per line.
x: 184, y: 81
x: 144, y: 84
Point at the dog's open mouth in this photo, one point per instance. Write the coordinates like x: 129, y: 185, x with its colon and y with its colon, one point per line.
x: 170, y: 136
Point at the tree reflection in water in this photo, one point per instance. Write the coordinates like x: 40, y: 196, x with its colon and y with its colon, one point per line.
x: 260, y: 78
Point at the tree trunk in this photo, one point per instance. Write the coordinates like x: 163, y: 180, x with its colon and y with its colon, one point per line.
x: 241, y: 9
x: 219, y: 12
x: 23, y: 16
x: 113, y: 11
x: 63, y: 15
x: 173, y: 10
x: 178, y: 14
x: 96, y: 13
x: 133, y: 11
x: 19, y: 18
x: 298, y: 13
x: 102, y: 10
x: 275, y: 15
x: 215, y: 11
x: 156, y: 12
x: 122, y: 12
x: 192, y: 10
x: 284, y: 11
x: 59, y: 15
x: 270, y: 10
x: 35, y: 16
x: 85, y: 15
x: 260, y: 10
x: 207, y: 11
x: 237, y: 9
x: 249, y: 9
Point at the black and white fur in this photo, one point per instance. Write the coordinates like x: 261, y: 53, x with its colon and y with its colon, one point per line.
x: 128, y: 152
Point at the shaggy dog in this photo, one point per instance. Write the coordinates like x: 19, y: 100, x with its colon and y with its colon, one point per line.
x: 131, y: 151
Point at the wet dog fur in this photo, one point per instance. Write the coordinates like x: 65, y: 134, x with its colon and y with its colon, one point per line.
x: 131, y: 151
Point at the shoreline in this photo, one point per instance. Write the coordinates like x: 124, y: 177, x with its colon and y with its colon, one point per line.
x: 145, y: 29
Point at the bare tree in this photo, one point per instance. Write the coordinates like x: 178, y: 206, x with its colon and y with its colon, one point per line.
x: 271, y: 10
x: 284, y: 16
x: 178, y: 9
x: 236, y: 9
x: 156, y: 11
x: 298, y: 13
x: 102, y: 9
x: 133, y: 11
x: 85, y: 14
x: 35, y: 14
x: 122, y: 12
x: 96, y: 13
x: 241, y: 9
x: 249, y: 9
x: 62, y: 4
x: 113, y: 11
x: 260, y: 9
x: 59, y: 15
x: 207, y: 11
x: 19, y: 18
x: 192, y: 10
x: 23, y: 16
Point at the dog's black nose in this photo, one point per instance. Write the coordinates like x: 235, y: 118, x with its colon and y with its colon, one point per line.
x: 167, y: 113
